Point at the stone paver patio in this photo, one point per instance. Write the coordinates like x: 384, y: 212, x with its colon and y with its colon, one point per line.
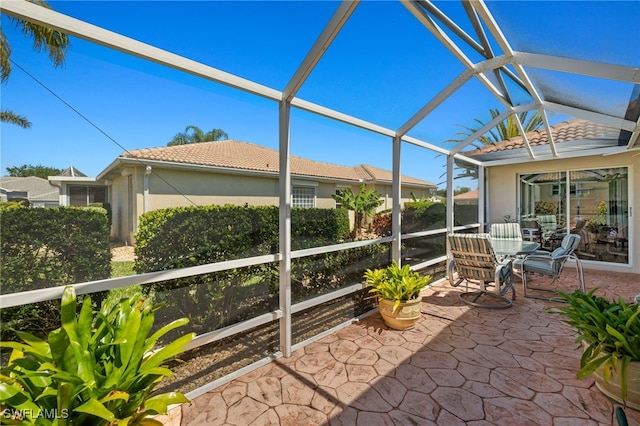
x: 459, y: 366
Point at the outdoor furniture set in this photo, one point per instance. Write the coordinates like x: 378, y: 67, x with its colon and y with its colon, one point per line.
x: 499, y: 255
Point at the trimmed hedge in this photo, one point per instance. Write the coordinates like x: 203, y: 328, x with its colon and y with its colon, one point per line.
x: 53, y: 246
x: 190, y: 236
x: 46, y: 248
x: 199, y: 235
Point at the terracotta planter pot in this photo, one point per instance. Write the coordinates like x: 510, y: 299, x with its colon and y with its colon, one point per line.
x: 613, y: 389
x: 405, y: 317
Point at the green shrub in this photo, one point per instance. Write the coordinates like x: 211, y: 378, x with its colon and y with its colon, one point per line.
x: 183, y: 237
x: 55, y: 246
x: 99, y: 368
x: 396, y: 283
x: 49, y: 247
x: 415, y: 217
x: 318, y: 274
x: 199, y: 235
x: 609, y: 330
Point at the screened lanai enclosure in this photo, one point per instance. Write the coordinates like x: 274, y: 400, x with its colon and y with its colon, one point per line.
x: 490, y: 111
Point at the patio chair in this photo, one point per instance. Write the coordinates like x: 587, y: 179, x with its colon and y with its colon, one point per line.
x: 507, y: 231
x: 473, y: 259
x: 531, y: 230
x: 551, y: 265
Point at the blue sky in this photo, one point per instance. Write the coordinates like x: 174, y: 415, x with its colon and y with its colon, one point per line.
x: 383, y: 67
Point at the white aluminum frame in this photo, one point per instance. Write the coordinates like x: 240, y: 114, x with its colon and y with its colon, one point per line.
x: 286, y: 99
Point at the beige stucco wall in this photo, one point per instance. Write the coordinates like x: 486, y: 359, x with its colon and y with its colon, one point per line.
x: 503, y: 186
x: 209, y: 188
x: 119, y: 208
x: 175, y: 188
x: 405, y: 195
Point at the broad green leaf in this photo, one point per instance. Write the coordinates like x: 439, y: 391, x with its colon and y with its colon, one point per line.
x: 68, y: 317
x: 95, y: 408
x: 48, y: 391
x: 161, y: 371
x: 129, y: 333
x: 16, y: 398
x: 590, y: 367
x: 58, y: 342
x: 37, y: 345
x: 7, y: 391
x: 22, y: 347
x: 140, y: 349
x: 115, y: 395
x: 65, y: 395
x: 164, y: 330
x: 85, y: 322
x: 166, y: 353
x: 160, y: 403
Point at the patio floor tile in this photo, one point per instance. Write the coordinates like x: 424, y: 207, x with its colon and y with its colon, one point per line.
x: 459, y: 365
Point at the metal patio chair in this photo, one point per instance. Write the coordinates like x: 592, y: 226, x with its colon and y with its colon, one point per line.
x: 551, y: 265
x: 473, y: 259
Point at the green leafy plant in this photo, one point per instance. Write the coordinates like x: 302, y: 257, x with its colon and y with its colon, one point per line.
x: 363, y: 205
x: 99, y: 368
x: 396, y: 283
x: 610, y: 331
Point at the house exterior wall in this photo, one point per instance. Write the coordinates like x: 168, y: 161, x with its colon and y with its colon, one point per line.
x: 502, y: 192
x: 120, y: 209
x: 209, y: 188
x: 177, y: 188
x: 405, y: 195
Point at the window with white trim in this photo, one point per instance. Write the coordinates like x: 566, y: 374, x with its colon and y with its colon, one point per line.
x: 303, y: 197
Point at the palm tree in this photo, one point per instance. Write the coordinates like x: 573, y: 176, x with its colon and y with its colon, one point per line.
x: 197, y: 136
x: 44, y: 38
x: 11, y: 117
x: 504, y: 130
x: 363, y: 204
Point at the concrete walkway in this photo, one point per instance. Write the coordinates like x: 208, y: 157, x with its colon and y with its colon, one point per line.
x: 459, y: 366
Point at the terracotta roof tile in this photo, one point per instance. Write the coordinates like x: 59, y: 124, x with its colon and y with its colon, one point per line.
x: 469, y: 195
x: 562, y: 132
x: 248, y: 156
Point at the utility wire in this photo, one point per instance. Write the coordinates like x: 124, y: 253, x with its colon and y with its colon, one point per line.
x: 85, y: 118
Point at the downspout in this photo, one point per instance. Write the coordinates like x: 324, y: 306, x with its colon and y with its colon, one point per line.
x: 145, y: 206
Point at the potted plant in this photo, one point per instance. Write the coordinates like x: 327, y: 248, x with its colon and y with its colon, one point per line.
x: 610, y: 334
x: 398, y: 292
x: 99, y: 368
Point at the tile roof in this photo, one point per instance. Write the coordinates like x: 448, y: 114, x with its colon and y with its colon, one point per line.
x: 566, y: 131
x: 469, y: 195
x: 248, y: 156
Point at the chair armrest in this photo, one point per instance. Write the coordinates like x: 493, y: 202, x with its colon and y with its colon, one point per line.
x: 535, y: 256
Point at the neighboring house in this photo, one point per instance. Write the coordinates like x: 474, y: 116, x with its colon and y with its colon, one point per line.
x: 231, y: 172
x: 37, y: 191
x: 79, y: 190
x: 571, y: 189
x: 467, y: 198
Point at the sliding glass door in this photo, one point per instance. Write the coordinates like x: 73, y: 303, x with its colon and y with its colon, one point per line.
x: 593, y: 203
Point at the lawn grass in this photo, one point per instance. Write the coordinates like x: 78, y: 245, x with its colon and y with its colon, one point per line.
x: 122, y: 269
